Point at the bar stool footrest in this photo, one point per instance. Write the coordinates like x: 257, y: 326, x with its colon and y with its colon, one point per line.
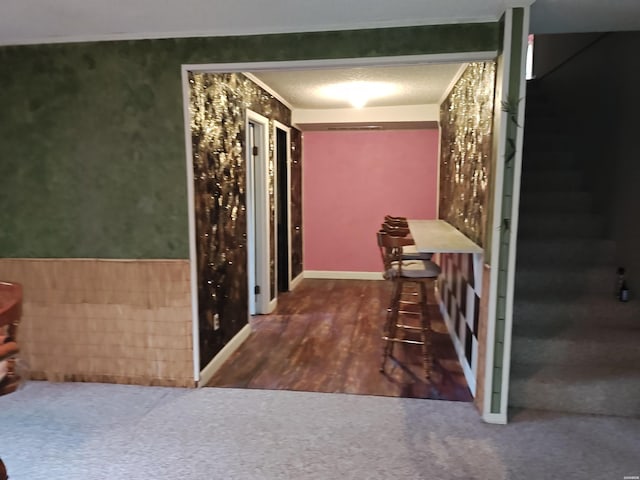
x: 403, y: 340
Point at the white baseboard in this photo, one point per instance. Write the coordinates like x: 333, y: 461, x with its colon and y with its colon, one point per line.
x: 495, y: 418
x: 296, y: 281
x: 343, y: 275
x: 272, y: 305
x: 223, y: 355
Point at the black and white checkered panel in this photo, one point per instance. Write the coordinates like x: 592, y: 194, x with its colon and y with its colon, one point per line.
x: 460, y: 288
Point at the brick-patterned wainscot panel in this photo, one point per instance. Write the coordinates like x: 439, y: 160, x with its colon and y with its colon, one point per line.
x: 116, y: 321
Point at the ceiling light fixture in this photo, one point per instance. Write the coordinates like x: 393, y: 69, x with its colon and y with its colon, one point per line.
x: 358, y: 94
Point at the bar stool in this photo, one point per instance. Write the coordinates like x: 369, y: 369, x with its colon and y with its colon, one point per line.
x: 399, y: 227
x: 399, y: 220
x: 10, y: 312
x: 404, y: 273
x: 396, y: 230
x: 409, y: 252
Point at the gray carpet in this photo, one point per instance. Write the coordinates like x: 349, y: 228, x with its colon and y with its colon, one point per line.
x: 94, y: 431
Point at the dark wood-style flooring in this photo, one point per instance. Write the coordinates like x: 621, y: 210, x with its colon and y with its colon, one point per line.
x: 325, y: 336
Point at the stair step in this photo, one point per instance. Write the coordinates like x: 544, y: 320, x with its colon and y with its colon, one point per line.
x: 552, y: 180
x: 548, y: 162
x: 544, y: 123
x: 589, y: 252
x: 560, y: 310
x: 546, y: 138
x: 541, y: 148
x: 536, y: 108
x: 573, y: 201
x: 536, y: 95
x: 532, y: 344
x: 550, y: 159
x: 561, y: 225
x: 548, y: 278
x: 603, y: 390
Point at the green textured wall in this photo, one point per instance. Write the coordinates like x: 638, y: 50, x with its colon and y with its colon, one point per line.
x: 92, y: 160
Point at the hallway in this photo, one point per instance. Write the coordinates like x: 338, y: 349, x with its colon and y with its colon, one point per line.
x: 325, y: 337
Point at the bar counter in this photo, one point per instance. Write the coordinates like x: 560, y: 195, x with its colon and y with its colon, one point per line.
x: 438, y: 236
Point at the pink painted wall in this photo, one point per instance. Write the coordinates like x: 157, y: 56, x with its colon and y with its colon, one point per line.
x: 351, y: 180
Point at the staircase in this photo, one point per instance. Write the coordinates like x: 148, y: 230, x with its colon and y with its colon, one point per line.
x: 575, y: 347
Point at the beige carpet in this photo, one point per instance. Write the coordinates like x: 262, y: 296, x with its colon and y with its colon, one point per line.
x: 71, y: 431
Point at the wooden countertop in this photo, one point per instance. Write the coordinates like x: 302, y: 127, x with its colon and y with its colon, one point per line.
x: 438, y: 236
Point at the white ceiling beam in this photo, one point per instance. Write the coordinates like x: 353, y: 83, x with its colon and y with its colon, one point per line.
x: 405, y: 113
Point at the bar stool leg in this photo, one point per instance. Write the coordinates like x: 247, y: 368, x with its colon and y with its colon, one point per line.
x: 392, y: 320
x: 425, y: 331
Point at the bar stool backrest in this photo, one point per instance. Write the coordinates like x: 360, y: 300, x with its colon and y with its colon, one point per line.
x: 396, y: 231
x: 391, y: 251
x: 396, y: 223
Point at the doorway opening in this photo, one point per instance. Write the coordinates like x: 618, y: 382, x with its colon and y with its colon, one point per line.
x: 258, y: 235
x: 262, y: 209
x: 283, y: 205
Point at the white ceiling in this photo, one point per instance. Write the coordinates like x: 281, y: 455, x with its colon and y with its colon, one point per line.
x: 46, y: 21
x: 415, y: 84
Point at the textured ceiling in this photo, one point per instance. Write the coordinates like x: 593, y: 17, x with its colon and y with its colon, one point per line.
x: 415, y: 84
x: 45, y: 21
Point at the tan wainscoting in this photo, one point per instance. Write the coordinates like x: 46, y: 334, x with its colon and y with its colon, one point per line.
x: 116, y: 321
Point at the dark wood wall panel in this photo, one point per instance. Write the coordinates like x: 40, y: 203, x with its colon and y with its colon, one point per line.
x: 217, y: 107
x: 296, y: 203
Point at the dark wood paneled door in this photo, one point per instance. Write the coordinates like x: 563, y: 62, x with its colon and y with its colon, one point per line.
x: 283, y: 200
